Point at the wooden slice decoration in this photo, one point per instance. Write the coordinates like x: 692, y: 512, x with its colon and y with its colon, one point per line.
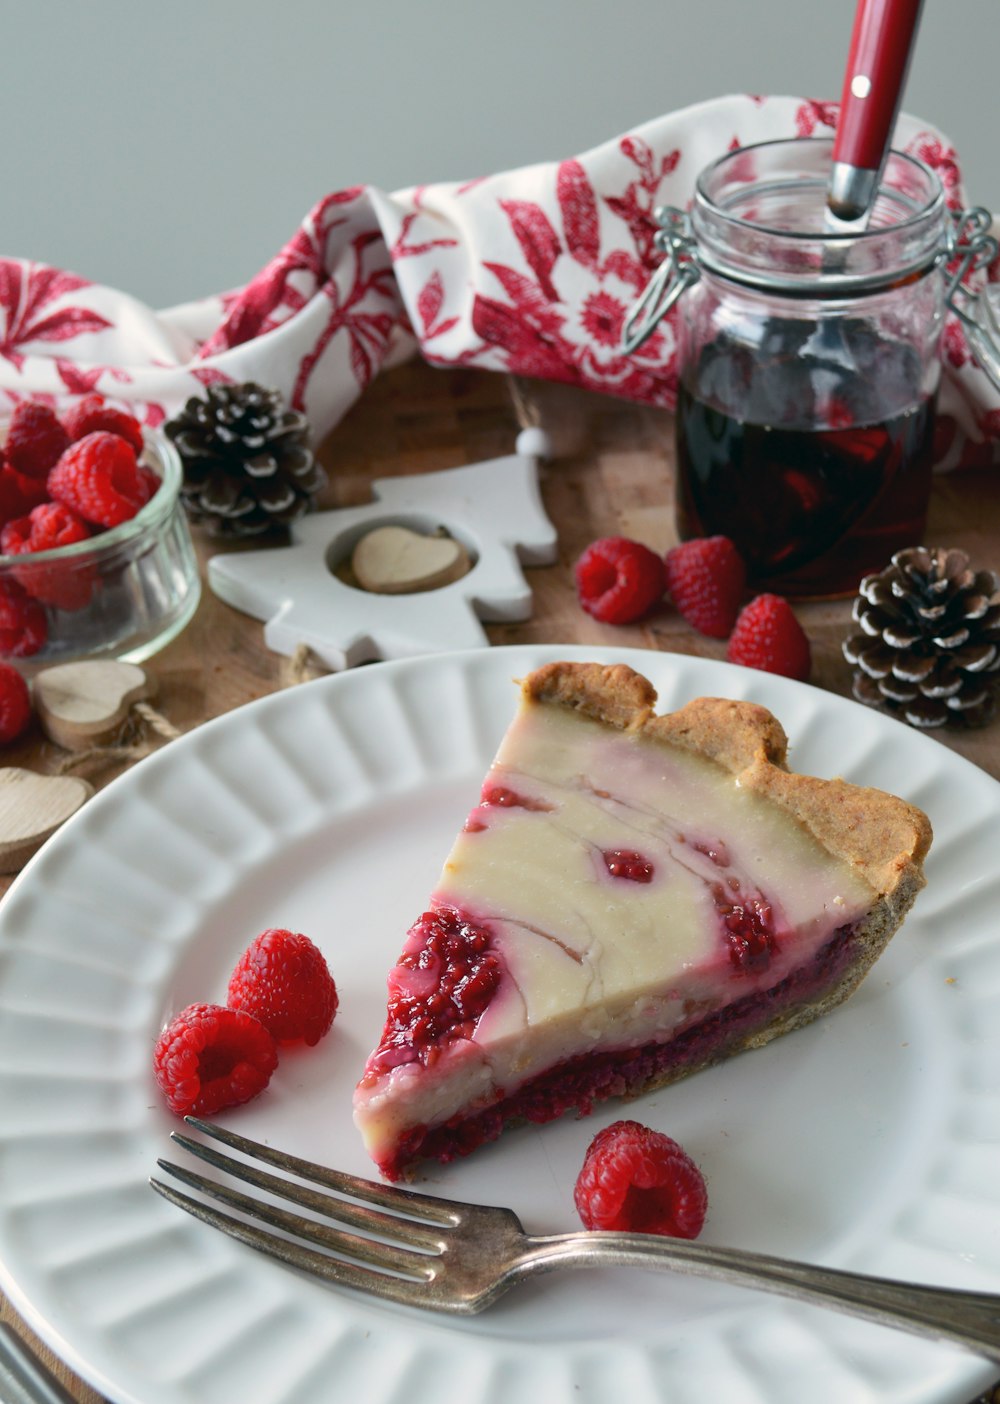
x: 84, y: 704
x: 393, y: 560
x: 32, y: 807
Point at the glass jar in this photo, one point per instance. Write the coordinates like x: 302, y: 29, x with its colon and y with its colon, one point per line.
x: 123, y: 593
x: 808, y: 362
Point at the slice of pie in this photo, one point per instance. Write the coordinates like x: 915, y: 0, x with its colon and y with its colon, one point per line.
x: 634, y: 898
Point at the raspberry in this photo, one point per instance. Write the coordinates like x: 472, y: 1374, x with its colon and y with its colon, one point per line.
x: 150, y: 483
x: 283, y: 980
x: 23, y: 626
x: 706, y: 579
x: 618, y: 580
x: 636, y: 1180
x: 35, y: 439
x: 749, y: 930
x: 99, y: 478
x: 45, y: 528
x: 15, y: 704
x: 441, y: 984
x: 66, y: 584
x: 15, y: 535
x: 506, y: 798
x: 626, y: 863
x: 91, y: 414
x: 210, y: 1057
x: 19, y: 493
x: 768, y: 636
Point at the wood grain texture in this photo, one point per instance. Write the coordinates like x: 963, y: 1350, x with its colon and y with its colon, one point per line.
x: 613, y: 475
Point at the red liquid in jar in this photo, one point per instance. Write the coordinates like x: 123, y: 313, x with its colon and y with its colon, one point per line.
x: 811, y: 510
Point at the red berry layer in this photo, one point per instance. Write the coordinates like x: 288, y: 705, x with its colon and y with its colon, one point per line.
x: 577, y: 1084
x: 442, y: 983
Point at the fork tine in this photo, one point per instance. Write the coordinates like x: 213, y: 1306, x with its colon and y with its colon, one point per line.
x: 398, y: 1201
x: 414, y: 1234
x: 345, y: 1274
x: 386, y: 1256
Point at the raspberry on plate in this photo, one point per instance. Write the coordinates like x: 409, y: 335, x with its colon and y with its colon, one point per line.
x: 35, y: 439
x: 768, y: 636
x: 618, y: 580
x: 283, y: 980
x: 91, y: 414
x: 15, y: 704
x: 23, y: 626
x: 99, y: 478
x: 210, y: 1057
x: 636, y: 1180
x: 706, y: 579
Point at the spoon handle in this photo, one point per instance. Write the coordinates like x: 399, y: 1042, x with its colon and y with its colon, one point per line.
x: 881, y: 44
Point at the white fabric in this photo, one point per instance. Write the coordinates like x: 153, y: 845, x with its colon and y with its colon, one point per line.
x: 529, y: 271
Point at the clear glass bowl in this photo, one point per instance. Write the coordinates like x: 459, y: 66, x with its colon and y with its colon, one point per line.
x: 124, y: 593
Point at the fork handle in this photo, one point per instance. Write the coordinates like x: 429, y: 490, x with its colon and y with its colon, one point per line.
x: 969, y: 1319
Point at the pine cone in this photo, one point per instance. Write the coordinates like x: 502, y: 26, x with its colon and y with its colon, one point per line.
x: 930, y: 647
x: 246, y: 463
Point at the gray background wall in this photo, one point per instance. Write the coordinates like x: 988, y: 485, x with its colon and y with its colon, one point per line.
x: 169, y: 149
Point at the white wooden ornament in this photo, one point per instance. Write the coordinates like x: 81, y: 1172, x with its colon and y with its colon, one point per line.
x: 493, y: 509
x: 84, y: 704
x: 32, y: 807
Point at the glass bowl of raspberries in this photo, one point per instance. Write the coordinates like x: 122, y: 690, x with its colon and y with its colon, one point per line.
x: 96, y: 559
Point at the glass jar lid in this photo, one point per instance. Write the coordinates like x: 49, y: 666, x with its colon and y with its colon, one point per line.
x: 759, y: 218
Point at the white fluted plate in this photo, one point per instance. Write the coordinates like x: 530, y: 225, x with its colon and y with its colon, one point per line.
x: 870, y: 1140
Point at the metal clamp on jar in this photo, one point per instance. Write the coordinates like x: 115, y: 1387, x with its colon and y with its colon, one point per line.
x: 809, y: 358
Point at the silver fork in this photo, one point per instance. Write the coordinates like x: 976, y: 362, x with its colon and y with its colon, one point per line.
x: 447, y: 1256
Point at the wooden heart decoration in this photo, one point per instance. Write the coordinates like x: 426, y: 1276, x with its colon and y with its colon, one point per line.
x: 84, y: 704
x: 393, y: 560
x: 32, y: 807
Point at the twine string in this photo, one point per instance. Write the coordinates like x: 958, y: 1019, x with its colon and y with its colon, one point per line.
x: 107, y: 755
x: 526, y: 410
x: 301, y: 666
x: 156, y: 720
x: 121, y: 753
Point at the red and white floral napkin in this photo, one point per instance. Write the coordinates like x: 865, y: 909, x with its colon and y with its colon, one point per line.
x: 530, y: 272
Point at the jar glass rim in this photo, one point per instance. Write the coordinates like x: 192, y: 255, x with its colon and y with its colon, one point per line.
x: 759, y: 217
x: 821, y: 150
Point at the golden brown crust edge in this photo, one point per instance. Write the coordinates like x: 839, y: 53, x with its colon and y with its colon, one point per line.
x: 870, y: 938
x: 883, y: 837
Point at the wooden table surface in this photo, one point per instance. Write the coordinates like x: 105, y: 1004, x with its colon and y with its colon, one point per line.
x: 612, y: 475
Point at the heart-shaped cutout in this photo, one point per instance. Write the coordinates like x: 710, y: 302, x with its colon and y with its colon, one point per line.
x: 393, y: 560
x: 83, y: 704
x: 32, y: 807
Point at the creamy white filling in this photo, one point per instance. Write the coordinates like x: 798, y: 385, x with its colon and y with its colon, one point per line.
x: 594, y: 961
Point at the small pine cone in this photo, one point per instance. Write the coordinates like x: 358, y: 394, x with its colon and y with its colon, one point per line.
x: 247, y: 466
x: 929, y: 650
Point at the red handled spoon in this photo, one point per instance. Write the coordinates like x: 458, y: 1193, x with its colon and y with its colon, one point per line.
x: 877, y: 62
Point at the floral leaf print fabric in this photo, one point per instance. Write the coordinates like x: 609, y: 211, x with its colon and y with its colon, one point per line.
x: 530, y: 272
